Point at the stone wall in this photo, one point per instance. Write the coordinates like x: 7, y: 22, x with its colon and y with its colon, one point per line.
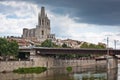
x: 11, y: 65
x: 49, y: 62
x: 49, y: 73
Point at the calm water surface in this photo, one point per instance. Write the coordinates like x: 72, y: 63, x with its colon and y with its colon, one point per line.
x: 62, y: 74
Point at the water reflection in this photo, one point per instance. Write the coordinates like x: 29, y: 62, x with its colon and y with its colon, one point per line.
x: 78, y: 73
x: 112, y: 74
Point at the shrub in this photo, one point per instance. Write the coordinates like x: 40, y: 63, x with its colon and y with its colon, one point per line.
x: 69, y: 69
x: 30, y: 70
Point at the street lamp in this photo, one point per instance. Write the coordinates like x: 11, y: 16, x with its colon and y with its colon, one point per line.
x: 107, y: 45
x: 107, y: 42
x: 115, y: 42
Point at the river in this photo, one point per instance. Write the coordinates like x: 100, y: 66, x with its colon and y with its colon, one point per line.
x: 77, y: 73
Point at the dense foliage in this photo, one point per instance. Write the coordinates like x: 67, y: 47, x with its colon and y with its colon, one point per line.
x: 86, y: 45
x: 30, y: 70
x: 72, y: 56
x: 64, y: 45
x: 48, y: 43
x: 8, y: 48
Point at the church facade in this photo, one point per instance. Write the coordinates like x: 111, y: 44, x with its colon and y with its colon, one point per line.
x: 42, y: 30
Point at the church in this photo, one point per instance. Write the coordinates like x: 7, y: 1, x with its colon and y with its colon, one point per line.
x: 42, y: 30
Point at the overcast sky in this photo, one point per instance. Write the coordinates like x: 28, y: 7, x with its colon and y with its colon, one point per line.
x: 84, y: 20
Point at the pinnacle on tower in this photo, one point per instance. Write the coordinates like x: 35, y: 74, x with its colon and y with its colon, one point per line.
x: 42, y: 11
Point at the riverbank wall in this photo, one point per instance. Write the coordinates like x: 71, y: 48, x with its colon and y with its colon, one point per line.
x: 50, y: 72
x: 40, y: 61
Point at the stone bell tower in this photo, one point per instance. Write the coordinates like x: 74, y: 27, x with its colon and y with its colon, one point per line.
x: 43, y: 27
x: 42, y: 30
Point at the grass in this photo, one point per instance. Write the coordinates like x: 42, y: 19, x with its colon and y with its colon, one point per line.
x: 30, y: 70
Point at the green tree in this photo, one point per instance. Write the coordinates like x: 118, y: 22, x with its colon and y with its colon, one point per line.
x: 8, y: 48
x: 92, y: 46
x: 64, y: 45
x: 100, y: 46
x: 13, y: 48
x: 3, y: 46
x: 84, y: 45
x: 48, y: 43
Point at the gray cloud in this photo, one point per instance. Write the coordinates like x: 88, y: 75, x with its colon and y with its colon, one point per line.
x: 102, y: 12
x: 16, y: 15
x: 118, y: 34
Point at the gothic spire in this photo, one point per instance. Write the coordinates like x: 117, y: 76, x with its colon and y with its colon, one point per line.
x: 42, y: 11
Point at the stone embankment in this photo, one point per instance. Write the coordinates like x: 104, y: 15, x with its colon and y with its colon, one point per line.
x: 40, y: 61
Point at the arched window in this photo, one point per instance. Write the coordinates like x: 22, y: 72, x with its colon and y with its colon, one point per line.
x: 47, y: 23
x: 42, y: 32
x: 42, y: 22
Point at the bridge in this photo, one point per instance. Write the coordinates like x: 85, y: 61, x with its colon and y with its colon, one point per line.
x: 111, y: 53
x: 45, y: 50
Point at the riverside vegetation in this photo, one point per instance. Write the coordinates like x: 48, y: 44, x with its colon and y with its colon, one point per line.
x: 49, y: 43
x: 8, y: 48
x: 85, y: 77
x: 30, y: 70
x: 69, y: 69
